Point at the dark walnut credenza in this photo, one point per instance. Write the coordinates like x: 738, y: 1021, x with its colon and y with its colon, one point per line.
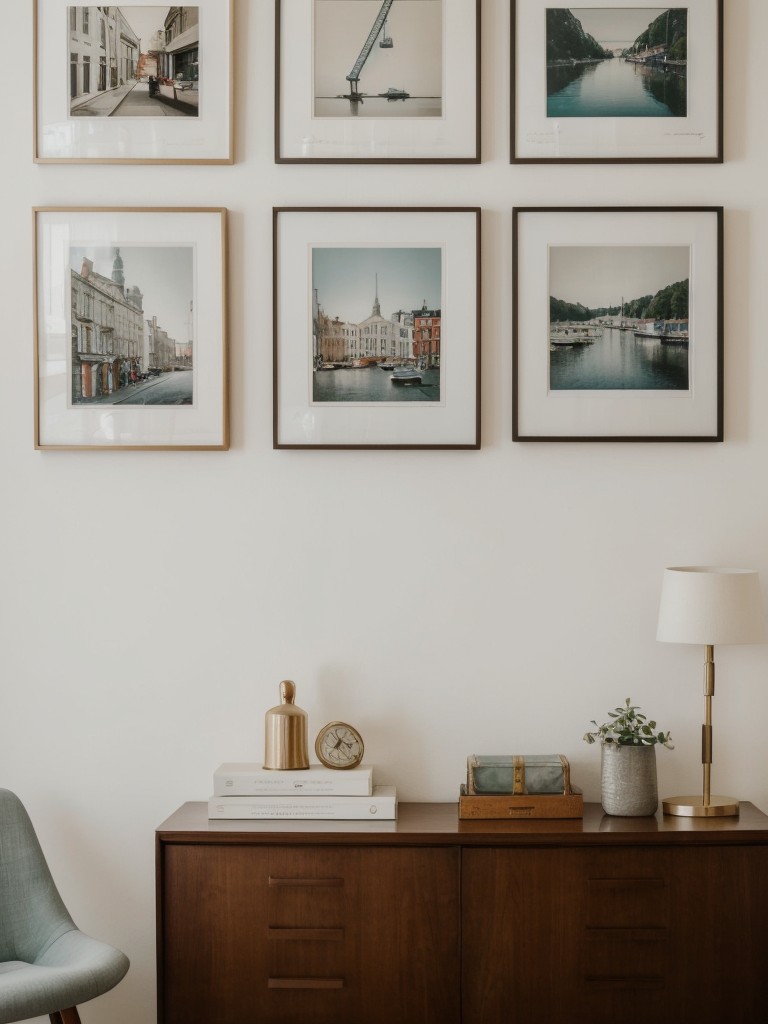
x: 429, y: 920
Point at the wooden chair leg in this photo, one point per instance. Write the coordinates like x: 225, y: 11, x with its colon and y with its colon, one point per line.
x: 70, y: 1016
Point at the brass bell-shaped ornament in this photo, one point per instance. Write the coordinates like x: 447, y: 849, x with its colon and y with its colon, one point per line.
x: 285, y: 733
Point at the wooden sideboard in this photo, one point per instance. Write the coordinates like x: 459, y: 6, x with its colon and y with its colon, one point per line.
x: 429, y: 920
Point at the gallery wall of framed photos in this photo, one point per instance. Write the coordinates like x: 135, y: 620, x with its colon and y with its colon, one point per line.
x: 214, y: 504
x: 609, y: 84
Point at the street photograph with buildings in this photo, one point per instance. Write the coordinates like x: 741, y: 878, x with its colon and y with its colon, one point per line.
x: 134, y: 61
x: 133, y: 337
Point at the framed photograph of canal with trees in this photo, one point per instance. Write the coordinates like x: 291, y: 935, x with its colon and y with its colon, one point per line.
x: 618, y: 324
x: 133, y: 82
x: 131, y: 328
x: 617, y: 81
x: 377, y: 81
x: 376, y: 327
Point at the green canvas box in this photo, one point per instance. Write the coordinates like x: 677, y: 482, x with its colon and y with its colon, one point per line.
x: 518, y: 774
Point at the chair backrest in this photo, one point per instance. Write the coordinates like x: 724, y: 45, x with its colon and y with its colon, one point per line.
x: 32, y: 914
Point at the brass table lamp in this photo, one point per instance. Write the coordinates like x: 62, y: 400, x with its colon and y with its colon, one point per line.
x: 707, y: 605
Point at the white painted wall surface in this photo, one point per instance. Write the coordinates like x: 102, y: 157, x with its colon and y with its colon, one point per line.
x: 152, y: 602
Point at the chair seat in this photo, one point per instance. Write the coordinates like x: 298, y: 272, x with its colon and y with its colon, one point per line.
x: 73, y: 969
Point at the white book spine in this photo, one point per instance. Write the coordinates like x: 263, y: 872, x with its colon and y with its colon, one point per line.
x: 317, y: 780
x: 382, y: 804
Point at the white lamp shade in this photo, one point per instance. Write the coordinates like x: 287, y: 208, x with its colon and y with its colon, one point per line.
x: 708, y: 605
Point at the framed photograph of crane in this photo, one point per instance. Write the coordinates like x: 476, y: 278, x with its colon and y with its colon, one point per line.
x: 618, y: 324
x: 377, y: 81
x: 376, y: 327
x: 134, y: 82
x: 617, y: 81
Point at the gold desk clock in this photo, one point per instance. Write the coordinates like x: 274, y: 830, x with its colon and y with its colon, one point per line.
x: 339, y: 745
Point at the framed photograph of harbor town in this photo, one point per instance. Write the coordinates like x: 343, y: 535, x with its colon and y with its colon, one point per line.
x: 377, y: 81
x: 618, y: 324
x: 134, y: 82
x: 617, y: 81
x: 131, y: 329
x: 376, y: 327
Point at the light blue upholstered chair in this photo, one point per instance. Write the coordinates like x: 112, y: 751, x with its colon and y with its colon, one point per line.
x: 47, y: 965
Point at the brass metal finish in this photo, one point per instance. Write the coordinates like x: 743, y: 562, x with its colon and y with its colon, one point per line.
x: 285, y: 732
x: 706, y: 805
x: 339, y: 745
x: 694, y: 806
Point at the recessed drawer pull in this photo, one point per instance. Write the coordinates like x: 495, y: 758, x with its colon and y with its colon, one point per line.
x: 305, y: 983
x: 323, y: 934
x: 332, y: 882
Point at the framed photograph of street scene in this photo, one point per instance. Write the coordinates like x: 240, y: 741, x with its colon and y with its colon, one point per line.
x: 131, y: 328
x: 617, y: 81
x: 134, y: 82
x: 377, y: 81
x: 376, y: 327
x: 618, y: 324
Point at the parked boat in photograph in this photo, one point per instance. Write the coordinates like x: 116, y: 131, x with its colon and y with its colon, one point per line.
x: 405, y: 375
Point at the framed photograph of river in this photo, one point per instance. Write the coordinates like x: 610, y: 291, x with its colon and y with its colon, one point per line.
x: 131, y: 328
x: 376, y: 319
x: 616, y: 81
x: 377, y: 81
x: 618, y: 331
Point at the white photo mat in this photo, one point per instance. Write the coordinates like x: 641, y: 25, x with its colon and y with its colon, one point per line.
x: 205, y: 138
x: 453, y: 137
x: 453, y: 422
x: 537, y: 137
x: 62, y: 424
x: 545, y: 414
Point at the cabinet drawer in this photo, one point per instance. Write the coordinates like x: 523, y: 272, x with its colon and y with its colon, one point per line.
x: 285, y: 935
x: 612, y: 932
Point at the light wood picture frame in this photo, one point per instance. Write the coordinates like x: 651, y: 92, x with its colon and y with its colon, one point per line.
x: 134, y: 83
x: 131, y: 348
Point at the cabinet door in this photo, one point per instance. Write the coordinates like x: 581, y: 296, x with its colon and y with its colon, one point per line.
x: 554, y: 936
x: 288, y: 935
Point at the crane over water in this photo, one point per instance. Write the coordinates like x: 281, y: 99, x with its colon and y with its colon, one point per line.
x: 380, y: 23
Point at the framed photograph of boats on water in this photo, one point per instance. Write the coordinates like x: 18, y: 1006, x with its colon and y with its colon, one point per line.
x: 135, y: 82
x: 617, y: 81
x: 376, y: 327
x: 618, y: 324
x: 131, y: 328
x: 377, y: 81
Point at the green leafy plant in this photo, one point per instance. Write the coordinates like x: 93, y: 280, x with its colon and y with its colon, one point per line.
x: 628, y: 728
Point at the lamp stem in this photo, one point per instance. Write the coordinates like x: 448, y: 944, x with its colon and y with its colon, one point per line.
x: 706, y: 729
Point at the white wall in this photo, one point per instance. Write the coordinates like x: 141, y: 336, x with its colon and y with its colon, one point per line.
x: 526, y: 608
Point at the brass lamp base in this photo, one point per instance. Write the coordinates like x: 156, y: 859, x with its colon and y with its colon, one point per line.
x: 694, y: 806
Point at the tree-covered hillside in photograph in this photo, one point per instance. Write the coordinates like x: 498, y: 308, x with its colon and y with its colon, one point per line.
x: 670, y: 29
x: 567, y: 40
x: 671, y: 303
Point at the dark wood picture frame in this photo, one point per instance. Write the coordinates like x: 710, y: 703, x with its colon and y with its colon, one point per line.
x: 303, y: 146
x: 541, y: 412
x: 533, y: 139
x: 448, y: 418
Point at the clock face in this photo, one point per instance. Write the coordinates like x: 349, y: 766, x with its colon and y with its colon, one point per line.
x: 339, y: 745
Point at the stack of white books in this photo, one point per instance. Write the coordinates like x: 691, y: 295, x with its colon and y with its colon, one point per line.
x: 251, y: 791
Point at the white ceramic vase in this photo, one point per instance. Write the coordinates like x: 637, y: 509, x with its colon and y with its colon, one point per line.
x: 628, y: 780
